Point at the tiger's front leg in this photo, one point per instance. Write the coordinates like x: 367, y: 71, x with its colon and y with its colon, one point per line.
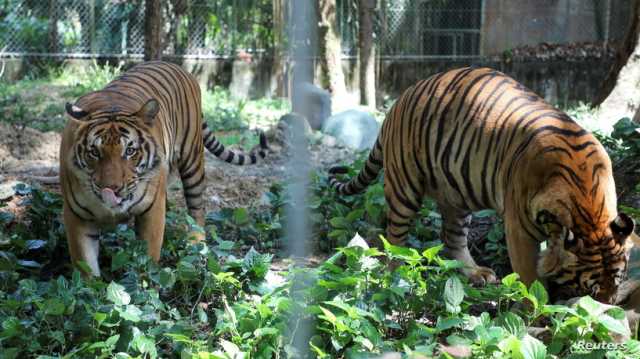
x: 83, y: 240
x: 455, y: 228
x: 523, y: 252
x: 150, y: 225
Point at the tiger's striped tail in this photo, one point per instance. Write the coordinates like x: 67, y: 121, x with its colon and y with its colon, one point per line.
x: 367, y: 175
x: 217, y: 148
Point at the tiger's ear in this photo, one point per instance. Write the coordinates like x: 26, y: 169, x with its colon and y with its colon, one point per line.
x: 148, y: 111
x: 622, y: 226
x: 76, y: 112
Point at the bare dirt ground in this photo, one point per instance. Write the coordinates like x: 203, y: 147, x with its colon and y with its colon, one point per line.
x: 27, y: 154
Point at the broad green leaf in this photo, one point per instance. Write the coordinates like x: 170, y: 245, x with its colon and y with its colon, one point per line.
x: 355, y: 215
x: 339, y: 222
x: 511, y: 346
x: 532, y: 348
x: 145, y: 345
x: 230, y: 348
x: 99, y: 317
x: 537, y: 291
x: 112, y: 340
x: 119, y: 260
x: 329, y: 316
x: 447, y: 323
x: 117, y: 295
x: 261, y: 332
x: 54, y: 306
x: 202, y: 315
x: 431, y: 253
x: 167, y: 278
x: 614, y: 325
x: 131, y: 312
x: 405, y: 253
x: 592, y: 307
x: 453, y: 294
x: 187, y: 271
x: 513, y: 324
x: 225, y: 245
x: 240, y: 216
x: 510, y: 279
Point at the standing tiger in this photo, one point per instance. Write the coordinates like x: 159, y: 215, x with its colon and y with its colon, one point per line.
x: 474, y: 138
x: 119, y: 147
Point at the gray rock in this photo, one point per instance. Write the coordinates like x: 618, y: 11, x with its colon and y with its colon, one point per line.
x: 329, y: 141
x: 313, y: 103
x: 294, y: 122
x: 7, y: 190
x: 356, y: 129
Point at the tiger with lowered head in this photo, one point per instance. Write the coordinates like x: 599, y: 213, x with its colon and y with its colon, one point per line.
x: 474, y: 138
x: 119, y: 147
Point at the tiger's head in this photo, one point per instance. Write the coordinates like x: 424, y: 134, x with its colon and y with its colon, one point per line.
x: 585, y: 255
x: 114, y: 152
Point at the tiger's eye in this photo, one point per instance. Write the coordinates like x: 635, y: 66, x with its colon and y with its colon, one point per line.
x: 130, y: 151
x: 94, y: 152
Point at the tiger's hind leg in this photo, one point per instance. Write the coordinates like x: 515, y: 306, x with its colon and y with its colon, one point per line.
x: 455, y: 228
x: 192, y: 176
x: 403, y: 205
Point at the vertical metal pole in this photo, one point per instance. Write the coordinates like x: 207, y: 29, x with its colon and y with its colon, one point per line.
x: 301, y: 26
x: 123, y: 37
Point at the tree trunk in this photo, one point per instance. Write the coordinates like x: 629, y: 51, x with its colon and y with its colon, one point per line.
x: 330, y: 49
x: 367, y: 53
x: 152, y: 30
x: 620, y: 97
x: 277, y: 83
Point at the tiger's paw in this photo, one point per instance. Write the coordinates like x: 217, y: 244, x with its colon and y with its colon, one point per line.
x: 480, y: 276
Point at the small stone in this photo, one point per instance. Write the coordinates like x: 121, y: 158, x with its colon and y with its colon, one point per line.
x: 329, y: 141
x: 356, y: 129
x: 7, y: 190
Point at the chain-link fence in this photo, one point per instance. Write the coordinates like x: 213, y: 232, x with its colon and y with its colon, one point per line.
x: 72, y: 27
x: 214, y: 28
x: 203, y: 28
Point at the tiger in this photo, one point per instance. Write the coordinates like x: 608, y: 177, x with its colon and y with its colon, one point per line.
x: 119, y: 146
x: 473, y: 138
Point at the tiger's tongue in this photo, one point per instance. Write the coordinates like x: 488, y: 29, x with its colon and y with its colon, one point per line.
x: 109, y: 197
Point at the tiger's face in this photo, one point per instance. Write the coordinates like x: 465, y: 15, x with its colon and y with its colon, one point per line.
x: 116, y: 154
x: 585, y: 259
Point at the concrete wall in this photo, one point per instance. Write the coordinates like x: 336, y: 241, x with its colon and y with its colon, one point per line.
x: 512, y: 23
x: 560, y: 83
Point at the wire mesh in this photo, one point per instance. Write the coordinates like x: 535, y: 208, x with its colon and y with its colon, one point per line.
x: 116, y: 27
x: 212, y: 28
